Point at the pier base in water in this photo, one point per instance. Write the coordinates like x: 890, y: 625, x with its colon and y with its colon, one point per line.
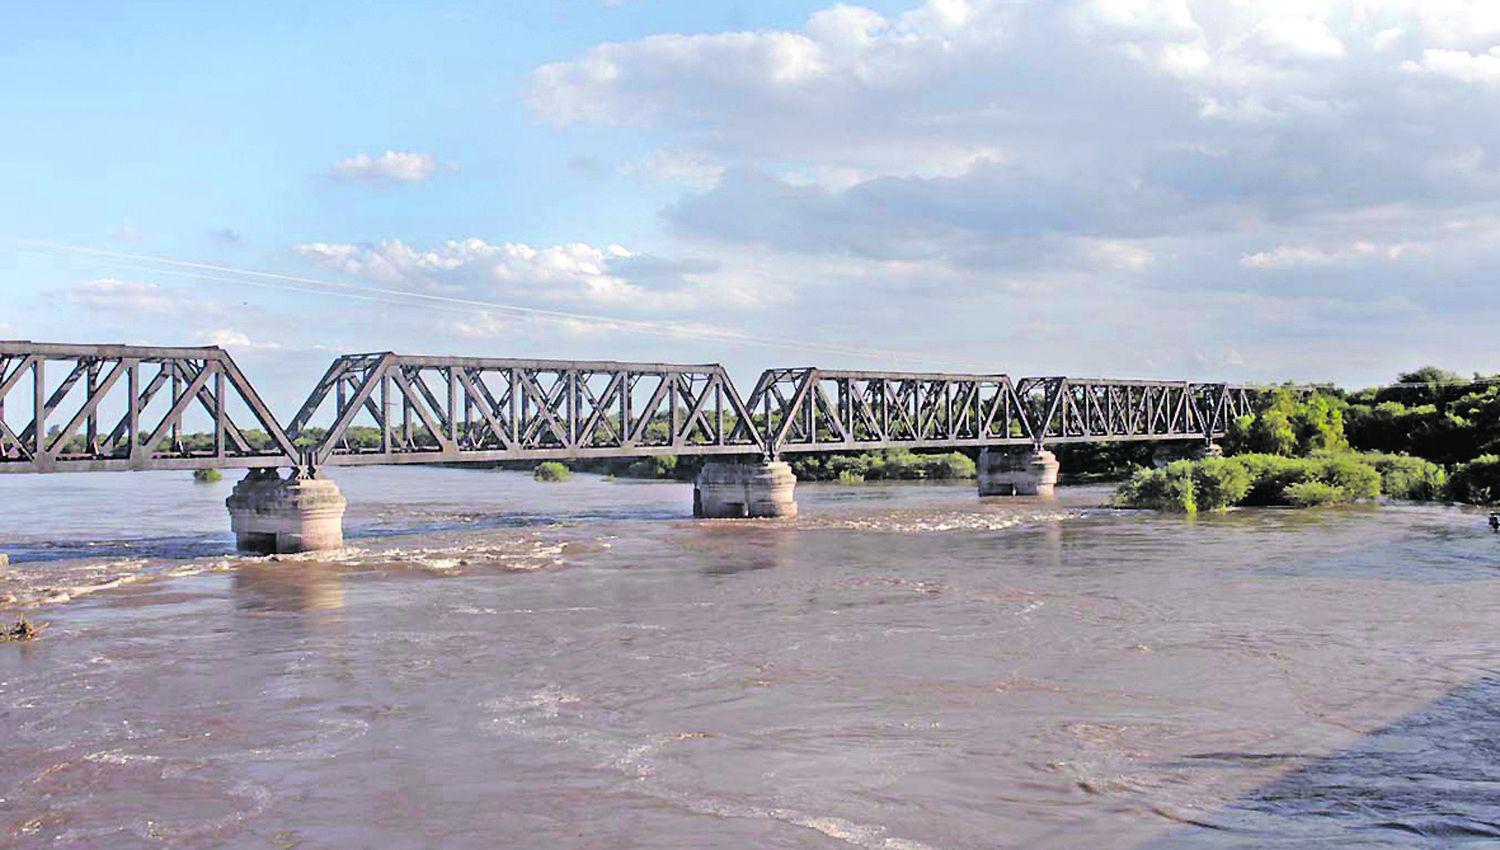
x: 737, y: 490
x: 1005, y: 472
x: 274, y: 515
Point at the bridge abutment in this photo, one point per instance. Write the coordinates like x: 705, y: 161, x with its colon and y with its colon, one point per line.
x: 738, y: 490
x: 273, y: 515
x: 1008, y: 472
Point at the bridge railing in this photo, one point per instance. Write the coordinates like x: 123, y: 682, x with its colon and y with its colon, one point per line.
x: 82, y: 408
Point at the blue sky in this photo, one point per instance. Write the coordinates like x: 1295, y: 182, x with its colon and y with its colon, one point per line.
x: 1173, y: 188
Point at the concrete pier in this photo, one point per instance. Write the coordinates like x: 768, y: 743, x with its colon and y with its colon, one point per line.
x: 1008, y: 472
x: 273, y: 515
x: 736, y: 490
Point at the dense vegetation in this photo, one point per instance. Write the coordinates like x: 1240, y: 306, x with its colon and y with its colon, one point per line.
x: 1431, y: 435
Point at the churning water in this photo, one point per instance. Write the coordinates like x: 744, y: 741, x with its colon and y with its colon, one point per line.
x: 495, y: 662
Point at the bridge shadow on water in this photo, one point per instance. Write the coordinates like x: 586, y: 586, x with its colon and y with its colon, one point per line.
x: 1430, y: 779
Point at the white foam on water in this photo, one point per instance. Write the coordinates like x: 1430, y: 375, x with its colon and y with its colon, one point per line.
x: 51, y: 583
x: 936, y: 523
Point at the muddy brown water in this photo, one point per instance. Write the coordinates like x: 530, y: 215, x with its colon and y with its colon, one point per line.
x: 496, y: 662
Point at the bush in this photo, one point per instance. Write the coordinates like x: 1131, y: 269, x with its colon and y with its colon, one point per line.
x: 1405, y: 477
x: 1354, y: 476
x: 1270, y: 475
x: 551, y: 471
x: 849, y: 476
x: 1476, y: 482
x: 1167, y: 489
x: 207, y: 476
x: 888, y: 465
x: 659, y: 466
x: 1306, y: 494
x: 1264, y: 479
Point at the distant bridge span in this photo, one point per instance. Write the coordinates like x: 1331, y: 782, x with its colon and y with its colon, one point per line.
x: 87, y: 408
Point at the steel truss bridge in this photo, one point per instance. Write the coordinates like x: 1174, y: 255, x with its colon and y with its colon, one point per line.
x: 115, y: 407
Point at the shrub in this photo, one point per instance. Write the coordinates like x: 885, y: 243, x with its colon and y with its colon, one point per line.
x: 1265, y: 479
x: 950, y: 465
x: 1405, y: 477
x: 1219, y: 483
x: 849, y: 476
x: 1166, y: 489
x: 551, y: 471
x: 1305, y: 494
x: 659, y: 466
x: 1270, y: 475
x: 1350, y: 473
x: 1476, y: 482
x: 207, y: 476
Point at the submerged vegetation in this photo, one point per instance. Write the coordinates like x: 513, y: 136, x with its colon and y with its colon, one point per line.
x: 551, y: 471
x: 22, y: 630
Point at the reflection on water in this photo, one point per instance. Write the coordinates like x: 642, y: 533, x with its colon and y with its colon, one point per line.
x: 498, y: 662
x: 288, y: 586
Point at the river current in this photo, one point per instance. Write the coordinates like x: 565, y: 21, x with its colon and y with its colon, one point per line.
x: 496, y: 662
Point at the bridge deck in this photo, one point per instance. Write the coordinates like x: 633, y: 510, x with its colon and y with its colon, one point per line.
x: 88, y: 408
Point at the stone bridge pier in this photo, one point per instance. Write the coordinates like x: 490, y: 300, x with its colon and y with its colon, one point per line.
x: 738, y: 490
x: 303, y: 512
x: 1017, y: 472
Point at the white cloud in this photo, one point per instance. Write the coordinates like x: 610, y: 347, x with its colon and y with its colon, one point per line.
x: 571, y: 273
x: 1458, y: 65
x: 669, y: 165
x: 111, y: 295
x: 1293, y: 256
x: 229, y: 338
x: 389, y: 167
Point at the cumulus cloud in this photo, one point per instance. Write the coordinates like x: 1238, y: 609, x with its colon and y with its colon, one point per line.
x: 1136, y: 111
x: 230, y: 338
x: 1110, y: 161
x: 111, y: 295
x: 1458, y: 64
x: 571, y: 273
x: 389, y: 167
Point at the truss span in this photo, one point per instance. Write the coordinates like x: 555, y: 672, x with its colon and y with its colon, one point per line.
x: 90, y: 408
x: 113, y: 407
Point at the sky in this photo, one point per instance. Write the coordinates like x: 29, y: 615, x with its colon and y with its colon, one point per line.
x: 1250, y: 190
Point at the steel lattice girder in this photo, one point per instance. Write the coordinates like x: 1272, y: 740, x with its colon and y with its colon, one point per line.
x: 807, y: 409
x: 392, y: 408
x: 65, y: 431
x: 436, y: 409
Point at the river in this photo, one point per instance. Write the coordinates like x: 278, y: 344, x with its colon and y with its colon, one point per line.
x: 496, y: 662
